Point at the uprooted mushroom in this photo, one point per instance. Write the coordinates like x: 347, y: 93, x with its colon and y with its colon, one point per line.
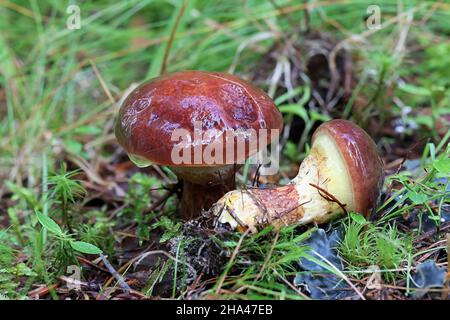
x: 342, y: 173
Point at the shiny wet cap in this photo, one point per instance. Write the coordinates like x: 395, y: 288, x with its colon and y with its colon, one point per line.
x: 183, y: 100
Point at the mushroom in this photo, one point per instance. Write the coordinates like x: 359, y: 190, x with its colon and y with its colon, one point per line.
x: 342, y: 173
x: 176, y: 119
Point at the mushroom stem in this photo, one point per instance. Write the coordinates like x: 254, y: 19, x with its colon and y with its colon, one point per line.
x: 306, y: 199
x: 198, y: 197
x: 203, y: 186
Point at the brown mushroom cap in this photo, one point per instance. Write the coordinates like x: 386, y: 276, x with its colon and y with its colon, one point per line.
x: 219, y: 101
x: 364, y: 165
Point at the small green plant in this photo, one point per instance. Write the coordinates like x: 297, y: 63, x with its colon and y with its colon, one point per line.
x: 310, y: 117
x: 157, y: 275
x: 428, y: 191
x: 11, y: 272
x: 171, y: 228
x: 25, y: 196
x: 291, y: 151
x: 66, y: 244
x: 97, y: 229
x: 141, y: 188
x: 365, y: 245
x: 65, y: 190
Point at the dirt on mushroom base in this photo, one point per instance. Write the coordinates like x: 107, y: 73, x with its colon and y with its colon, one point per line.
x: 185, y: 261
x: 198, y: 247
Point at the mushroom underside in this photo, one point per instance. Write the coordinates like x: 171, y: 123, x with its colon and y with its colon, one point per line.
x: 321, y: 191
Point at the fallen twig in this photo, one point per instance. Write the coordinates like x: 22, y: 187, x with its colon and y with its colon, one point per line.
x: 114, y: 273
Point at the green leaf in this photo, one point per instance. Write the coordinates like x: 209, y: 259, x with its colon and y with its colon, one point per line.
x: 296, y: 109
x: 20, y: 269
x: 22, y: 193
x: 85, y: 247
x: 49, y: 224
x: 291, y: 151
x: 316, y: 116
x: 88, y: 130
x: 420, y: 91
x: 417, y: 198
x: 73, y: 146
x: 288, y: 95
x: 425, y: 120
x: 171, y: 228
x: 357, y: 218
x: 442, y: 165
x: 435, y: 218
